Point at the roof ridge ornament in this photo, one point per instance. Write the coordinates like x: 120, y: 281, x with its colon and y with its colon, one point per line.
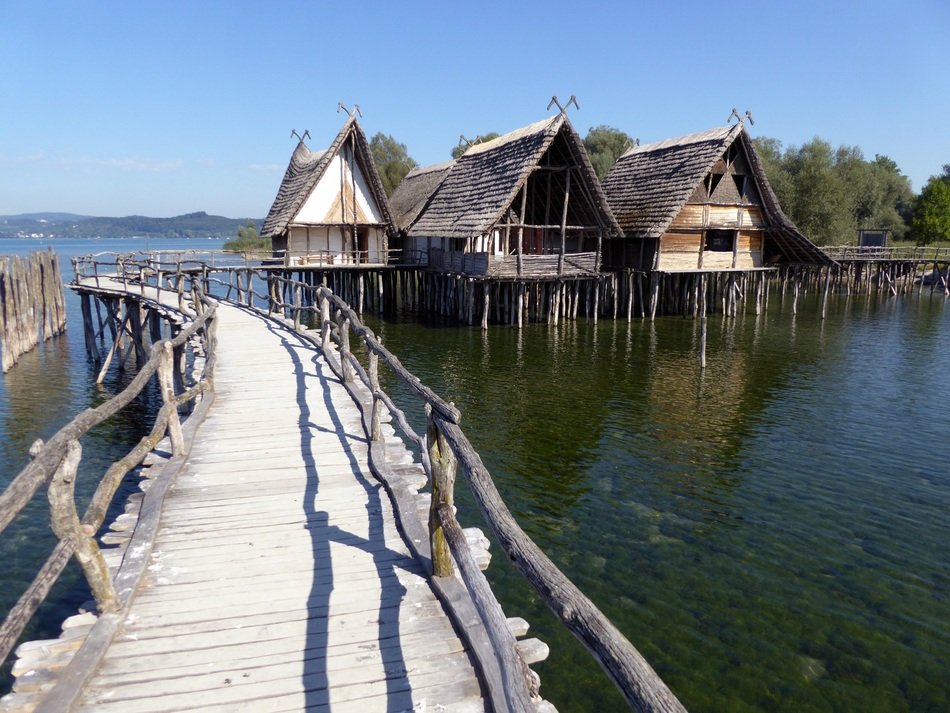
x: 741, y: 119
x: 467, y: 142
x: 356, y: 109
x: 563, y: 109
x: 306, y: 134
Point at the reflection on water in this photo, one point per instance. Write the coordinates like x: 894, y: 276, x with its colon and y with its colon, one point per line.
x: 771, y: 533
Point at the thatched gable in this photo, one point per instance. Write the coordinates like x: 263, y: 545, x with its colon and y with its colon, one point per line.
x: 304, y: 172
x: 413, y: 193
x: 477, y: 190
x: 649, y: 186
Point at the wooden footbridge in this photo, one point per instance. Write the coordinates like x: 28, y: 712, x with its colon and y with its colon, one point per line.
x: 295, y: 545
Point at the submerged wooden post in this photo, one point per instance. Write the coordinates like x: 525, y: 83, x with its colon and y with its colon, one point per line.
x: 65, y: 523
x: 702, y: 323
x: 824, y: 299
x: 795, y: 283
x: 443, y: 465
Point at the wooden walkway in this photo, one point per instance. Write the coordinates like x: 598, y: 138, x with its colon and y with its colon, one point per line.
x: 278, y: 579
x: 263, y: 569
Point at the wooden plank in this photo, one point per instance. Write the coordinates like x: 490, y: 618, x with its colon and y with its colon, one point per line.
x: 354, y: 697
x: 173, y: 667
x: 680, y: 243
x: 691, y: 216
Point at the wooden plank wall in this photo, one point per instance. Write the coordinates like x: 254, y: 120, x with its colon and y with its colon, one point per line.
x: 719, y: 216
x: 680, y: 251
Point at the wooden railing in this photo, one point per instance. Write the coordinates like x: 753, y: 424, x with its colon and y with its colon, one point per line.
x: 56, y: 462
x: 909, y: 253
x: 482, y: 263
x: 445, y: 451
x: 349, y: 258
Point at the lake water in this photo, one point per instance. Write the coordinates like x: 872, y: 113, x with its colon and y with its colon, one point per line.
x: 772, y: 534
x: 43, y: 392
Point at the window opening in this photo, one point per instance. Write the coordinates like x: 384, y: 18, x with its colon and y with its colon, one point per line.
x: 720, y: 241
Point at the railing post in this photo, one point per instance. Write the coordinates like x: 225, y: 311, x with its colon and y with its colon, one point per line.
x: 325, y: 321
x: 181, y: 289
x: 443, y: 466
x: 166, y: 381
x: 250, y: 291
x: 296, y: 305
x: 376, y: 424
x: 344, y: 324
x: 65, y: 523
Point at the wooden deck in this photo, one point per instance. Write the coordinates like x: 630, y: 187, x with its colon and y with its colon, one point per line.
x: 278, y: 580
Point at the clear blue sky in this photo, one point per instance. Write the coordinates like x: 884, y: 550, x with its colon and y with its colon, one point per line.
x: 163, y: 108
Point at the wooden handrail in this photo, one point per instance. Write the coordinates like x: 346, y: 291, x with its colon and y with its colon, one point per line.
x: 920, y: 253
x: 56, y: 463
x: 446, y: 447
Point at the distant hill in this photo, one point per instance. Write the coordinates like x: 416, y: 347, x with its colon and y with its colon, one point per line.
x: 70, y: 225
x: 45, y: 216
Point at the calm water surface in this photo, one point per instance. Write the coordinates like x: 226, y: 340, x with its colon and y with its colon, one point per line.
x: 771, y: 534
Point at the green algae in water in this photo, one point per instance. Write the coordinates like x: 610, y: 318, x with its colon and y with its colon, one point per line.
x: 771, y: 534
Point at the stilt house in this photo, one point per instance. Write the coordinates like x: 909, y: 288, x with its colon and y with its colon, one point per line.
x: 331, y: 208
x: 700, y: 202
x: 526, y: 204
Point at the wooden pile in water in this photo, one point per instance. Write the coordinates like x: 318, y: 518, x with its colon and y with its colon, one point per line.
x: 31, y: 303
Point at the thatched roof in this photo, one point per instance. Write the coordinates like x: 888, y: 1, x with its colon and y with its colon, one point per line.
x: 305, y: 170
x: 650, y: 184
x: 465, y: 198
x: 415, y: 190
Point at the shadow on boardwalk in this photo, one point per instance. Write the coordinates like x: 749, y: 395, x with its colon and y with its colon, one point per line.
x: 316, y: 679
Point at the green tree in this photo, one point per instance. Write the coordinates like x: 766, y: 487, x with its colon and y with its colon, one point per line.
x: 248, y: 232
x: 392, y: 161
x: 931, y: 220
x: 248, y: 240
x: 605, y: 145
x: 820, y: 206
x: 480, y: 139
x: 830, y: 193
x: 894, y: 198
x: 770, y: 154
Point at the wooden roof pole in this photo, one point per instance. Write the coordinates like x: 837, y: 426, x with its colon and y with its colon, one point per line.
x: 567, y: 197
x: 356, y: 246
x: 524, y: 201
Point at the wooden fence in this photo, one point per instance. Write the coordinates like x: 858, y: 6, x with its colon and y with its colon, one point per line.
x: 919, y: 253
x: 446, y: 452
x: 31, y: 303
x: 56, y: 462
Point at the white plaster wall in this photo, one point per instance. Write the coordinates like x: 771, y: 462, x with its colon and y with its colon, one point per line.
x: 325, y: 196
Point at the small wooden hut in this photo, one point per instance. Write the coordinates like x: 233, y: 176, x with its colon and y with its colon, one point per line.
x: 700, y: 202
x: 523, y: 205
x: 331, y: 208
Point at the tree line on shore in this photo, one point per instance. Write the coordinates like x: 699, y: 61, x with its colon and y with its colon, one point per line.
x: 829, y: 193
